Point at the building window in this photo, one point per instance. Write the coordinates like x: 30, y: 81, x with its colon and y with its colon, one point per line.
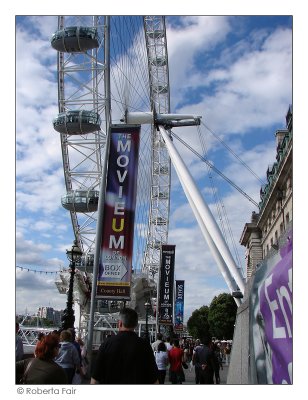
x: 267, y: 249
x: 272, y: 241
x: 276, y: 236
x: 287, y: 218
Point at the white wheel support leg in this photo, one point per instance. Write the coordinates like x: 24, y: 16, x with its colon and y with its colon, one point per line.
x: 208, y: 226
x: 217, y: 256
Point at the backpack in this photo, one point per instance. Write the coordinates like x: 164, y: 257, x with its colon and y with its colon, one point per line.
x: 203, y: 357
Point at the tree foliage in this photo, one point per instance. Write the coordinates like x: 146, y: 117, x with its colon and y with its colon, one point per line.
x: 197, y: 324
x: 222, y: 315
x: 216, y: 320
x: 39, y: 322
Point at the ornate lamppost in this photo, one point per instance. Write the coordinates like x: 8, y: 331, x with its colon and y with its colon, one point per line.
x: 68, y: 317
x: 147, y: 307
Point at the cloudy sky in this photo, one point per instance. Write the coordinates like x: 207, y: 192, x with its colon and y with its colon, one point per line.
x: 236, y: 72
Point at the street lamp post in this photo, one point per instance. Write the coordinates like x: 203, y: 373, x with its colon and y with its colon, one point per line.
x: 68, y: 317
x: 147, y: 307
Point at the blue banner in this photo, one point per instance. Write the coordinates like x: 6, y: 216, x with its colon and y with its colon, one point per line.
x: 179, y: 306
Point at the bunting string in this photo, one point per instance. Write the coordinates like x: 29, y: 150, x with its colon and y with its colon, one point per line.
x: 27, y: 269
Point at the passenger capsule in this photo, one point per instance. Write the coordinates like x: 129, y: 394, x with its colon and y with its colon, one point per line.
x: 158, y: 61
x: 156, y: 34
x: 159, y: 221
x: 75, y: 39
x: 161, y: 170
x: 155, y: 245
x: 77, y: 122
x: 81, y: 200
x: 161, y: 195
x: 85, y: 263
x: 160, y: 89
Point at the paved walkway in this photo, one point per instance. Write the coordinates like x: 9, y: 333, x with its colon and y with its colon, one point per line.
x: 190, y: 377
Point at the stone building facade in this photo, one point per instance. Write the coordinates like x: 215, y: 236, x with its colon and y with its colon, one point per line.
x: 261, y: 235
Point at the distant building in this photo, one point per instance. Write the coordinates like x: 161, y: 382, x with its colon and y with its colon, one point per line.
x: 261, y: 235
x: 57, y: 317
x: 51, y: 314
x: 45, y: 312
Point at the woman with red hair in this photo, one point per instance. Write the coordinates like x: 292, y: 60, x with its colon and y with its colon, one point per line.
x: 42, y: 369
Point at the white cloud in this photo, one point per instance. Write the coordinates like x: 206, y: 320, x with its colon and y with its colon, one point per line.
x: 40, y: 192
x: 42, y: 226
x: 186, y: 42
x: 194, y: 264
x: 36, y: 252
x: 251, y: 90
x: 28, y: 252
x: 31, y: 62
x: 35, y: 290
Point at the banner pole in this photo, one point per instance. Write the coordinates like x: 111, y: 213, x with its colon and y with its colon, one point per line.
x: 101, y: 199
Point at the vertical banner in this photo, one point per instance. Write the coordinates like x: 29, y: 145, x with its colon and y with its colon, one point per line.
x: 166, y: 277
x: 115, y: 265
x: 179, y: 306
x: 271, y: 319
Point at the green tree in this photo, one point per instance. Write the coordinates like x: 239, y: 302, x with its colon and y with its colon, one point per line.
x: 221, y: 316
x: 197, y: 324
x: 40, y: 322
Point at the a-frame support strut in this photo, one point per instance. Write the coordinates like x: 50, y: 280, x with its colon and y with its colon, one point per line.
x: 205, y: 219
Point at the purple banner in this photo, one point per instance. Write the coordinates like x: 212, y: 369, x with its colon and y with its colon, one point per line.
x: 179, y: 305
x: 271, y: 319
x: 115, y: 264
x: 166, y: 277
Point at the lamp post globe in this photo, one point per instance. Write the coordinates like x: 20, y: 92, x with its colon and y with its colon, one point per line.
x: 68, y: 317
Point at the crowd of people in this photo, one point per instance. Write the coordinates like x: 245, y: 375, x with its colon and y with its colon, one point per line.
x: 207, y: 358
x: 58, y: 359
x: 124, y: 358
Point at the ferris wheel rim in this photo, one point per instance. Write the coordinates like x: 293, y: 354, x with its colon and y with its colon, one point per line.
x: 158, y: 91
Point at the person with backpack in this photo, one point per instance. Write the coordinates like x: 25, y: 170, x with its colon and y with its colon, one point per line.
x: 204, y: 361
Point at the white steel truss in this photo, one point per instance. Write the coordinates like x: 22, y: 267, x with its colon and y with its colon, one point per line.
x: 156, y: 42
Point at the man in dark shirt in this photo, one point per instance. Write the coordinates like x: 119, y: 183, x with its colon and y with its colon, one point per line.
x: 204, y: 360
x: 125, y: 358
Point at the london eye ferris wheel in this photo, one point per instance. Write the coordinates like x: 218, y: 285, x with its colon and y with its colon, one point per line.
x: 106, y: 68
x: 113, y: 70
